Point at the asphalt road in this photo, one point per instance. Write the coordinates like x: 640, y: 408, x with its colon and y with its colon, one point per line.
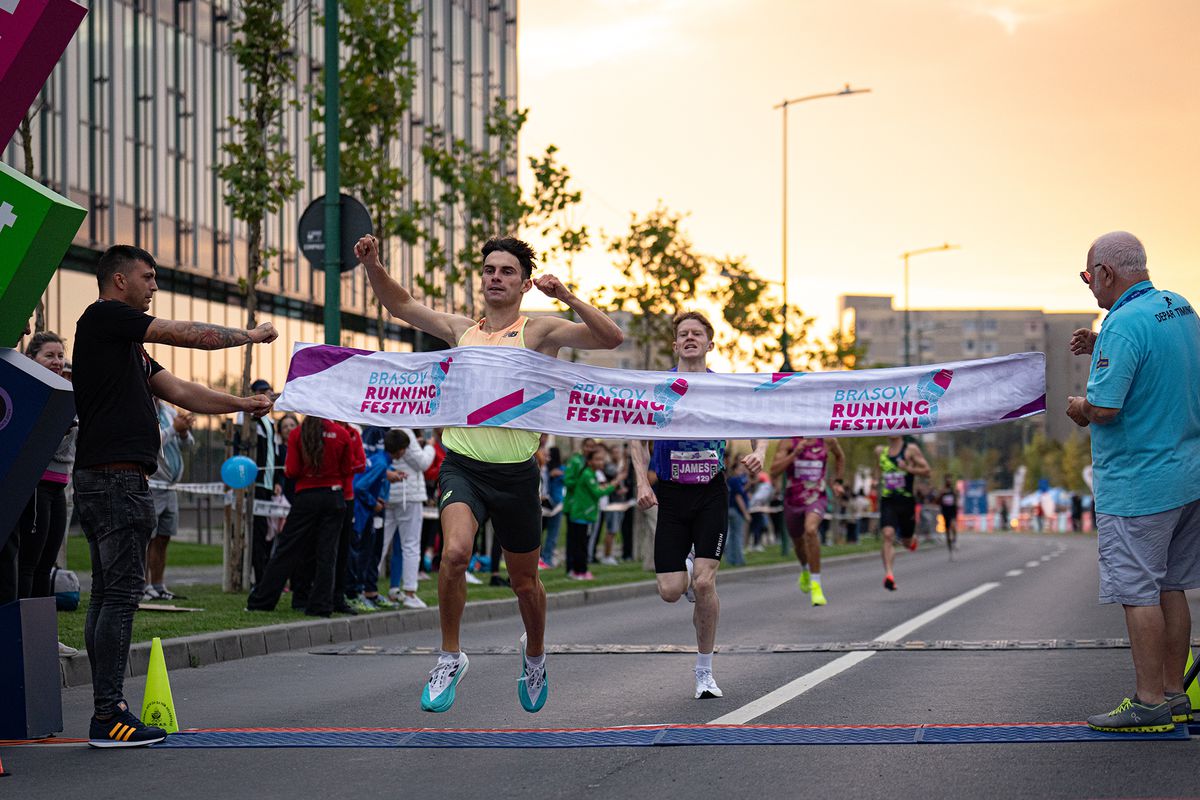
x: 1045, y: 588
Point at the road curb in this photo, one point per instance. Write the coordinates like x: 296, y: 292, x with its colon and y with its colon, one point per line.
x: 204, y: 649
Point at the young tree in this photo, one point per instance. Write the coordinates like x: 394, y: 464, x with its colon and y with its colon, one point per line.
x: 259, y: 176
x: 479, y: 200
x: 840, y: 350
x: 751, y: 311
x: 377, y: 81
x: 660, y: 271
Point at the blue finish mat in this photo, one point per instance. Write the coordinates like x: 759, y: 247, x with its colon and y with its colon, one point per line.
x: 657, y: 736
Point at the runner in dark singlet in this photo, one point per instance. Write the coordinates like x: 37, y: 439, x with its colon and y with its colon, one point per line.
x: 899, y: 462
x: 948, y: 500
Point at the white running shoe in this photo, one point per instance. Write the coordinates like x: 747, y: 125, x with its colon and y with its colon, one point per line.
x: 690, y: 563
x: 394, y: 593
x: 610, y: 561
x: 472, y: 579
x: 706, y: 687
x: 66, y: 651
x: 412, y: 601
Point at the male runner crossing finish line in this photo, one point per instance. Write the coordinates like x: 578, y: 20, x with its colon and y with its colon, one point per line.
x: 491, y: 473
x: 693, y: 501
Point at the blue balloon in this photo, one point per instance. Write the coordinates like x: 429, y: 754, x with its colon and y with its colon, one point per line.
x: 239, y: 472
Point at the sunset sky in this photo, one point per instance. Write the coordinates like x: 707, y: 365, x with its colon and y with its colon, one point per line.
x: 1019, y: 130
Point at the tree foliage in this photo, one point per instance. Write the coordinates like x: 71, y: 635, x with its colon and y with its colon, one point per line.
x: 480, y: 198
x: 661, y: 272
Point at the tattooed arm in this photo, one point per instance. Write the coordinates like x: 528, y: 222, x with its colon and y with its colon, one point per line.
x: 203, y: 400
x: 204, y: 336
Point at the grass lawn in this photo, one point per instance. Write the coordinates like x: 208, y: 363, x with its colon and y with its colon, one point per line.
x: 179, y: 554
x: 226, y: 611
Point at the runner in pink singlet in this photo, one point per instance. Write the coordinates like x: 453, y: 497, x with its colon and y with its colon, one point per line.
x: 805, y: 462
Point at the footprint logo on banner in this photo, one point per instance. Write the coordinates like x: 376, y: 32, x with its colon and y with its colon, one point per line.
x: 668, y: 394
x: 440, y: 371
x: 931, y: 388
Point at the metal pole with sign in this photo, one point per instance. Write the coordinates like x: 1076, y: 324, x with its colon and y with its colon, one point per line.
x: 333, y: 207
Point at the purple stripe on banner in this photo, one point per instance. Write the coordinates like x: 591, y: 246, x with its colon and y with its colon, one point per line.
x: 319, y: 358
x: 1031, y: 407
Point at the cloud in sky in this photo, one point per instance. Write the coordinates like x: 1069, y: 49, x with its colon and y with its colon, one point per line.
x: 593, y: 33
x: 1012, y: 15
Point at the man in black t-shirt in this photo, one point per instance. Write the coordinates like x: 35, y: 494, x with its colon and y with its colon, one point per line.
x: 115, y: 381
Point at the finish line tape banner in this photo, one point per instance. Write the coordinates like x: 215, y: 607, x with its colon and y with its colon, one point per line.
x: 516, y: 388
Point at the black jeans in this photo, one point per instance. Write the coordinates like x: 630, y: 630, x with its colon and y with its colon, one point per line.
x: 313, y: 525
x: 117, y: 515
x: 39, y: 546
x: 577, y: 546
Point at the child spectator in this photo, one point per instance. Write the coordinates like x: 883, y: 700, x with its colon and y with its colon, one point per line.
x: 372, y: 488
x: 582, y: 510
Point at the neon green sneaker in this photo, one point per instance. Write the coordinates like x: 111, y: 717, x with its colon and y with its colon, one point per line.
x: 805, y: 582
x: 818, y: 596
x: 1133, y: 717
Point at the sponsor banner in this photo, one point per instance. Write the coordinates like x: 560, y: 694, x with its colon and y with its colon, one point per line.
x: 516, y: 388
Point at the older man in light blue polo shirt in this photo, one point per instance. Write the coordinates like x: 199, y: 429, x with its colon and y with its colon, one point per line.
x: 1144, y: 407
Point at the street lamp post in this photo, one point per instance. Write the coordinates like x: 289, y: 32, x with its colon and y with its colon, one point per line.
x: 906, y: 256
x: 784, y: 340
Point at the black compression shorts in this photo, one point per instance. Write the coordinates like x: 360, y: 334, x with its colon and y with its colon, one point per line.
x: 900, y: 514
x: 507, y: 494
x: 690, y: 515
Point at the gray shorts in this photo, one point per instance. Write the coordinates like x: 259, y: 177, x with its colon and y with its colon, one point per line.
x: 166, y: 512
x: 1143, y: 556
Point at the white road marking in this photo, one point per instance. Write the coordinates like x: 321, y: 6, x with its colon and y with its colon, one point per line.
x: 1012, y: 573
x: 1046, y: 558
x: 797, y: 687
x: 1031, y: 564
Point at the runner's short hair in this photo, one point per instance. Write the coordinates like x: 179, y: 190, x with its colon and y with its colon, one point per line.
x: 696, y: 315
x: 514, y: 247
x: 120, y: 258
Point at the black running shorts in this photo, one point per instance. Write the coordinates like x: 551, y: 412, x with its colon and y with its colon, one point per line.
x: 690, y: 514
x: 900, y: 514
x: 507, y: 494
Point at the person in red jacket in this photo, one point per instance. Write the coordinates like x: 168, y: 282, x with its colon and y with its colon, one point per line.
x: 358, y: 464
x: 320, y: 453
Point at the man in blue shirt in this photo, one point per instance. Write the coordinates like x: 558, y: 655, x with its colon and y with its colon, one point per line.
x: 1143, y: 401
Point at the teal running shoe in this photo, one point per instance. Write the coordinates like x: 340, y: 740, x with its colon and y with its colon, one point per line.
x: 533, y: 687
x: 443, y: 681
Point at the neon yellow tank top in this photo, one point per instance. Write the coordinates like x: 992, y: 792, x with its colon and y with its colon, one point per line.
x: 493, y: 445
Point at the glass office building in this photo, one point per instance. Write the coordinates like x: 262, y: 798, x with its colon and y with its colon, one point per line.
x: 131, y: 125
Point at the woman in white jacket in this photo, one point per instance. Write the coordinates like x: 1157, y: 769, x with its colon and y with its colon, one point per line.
x: 402, y: 520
